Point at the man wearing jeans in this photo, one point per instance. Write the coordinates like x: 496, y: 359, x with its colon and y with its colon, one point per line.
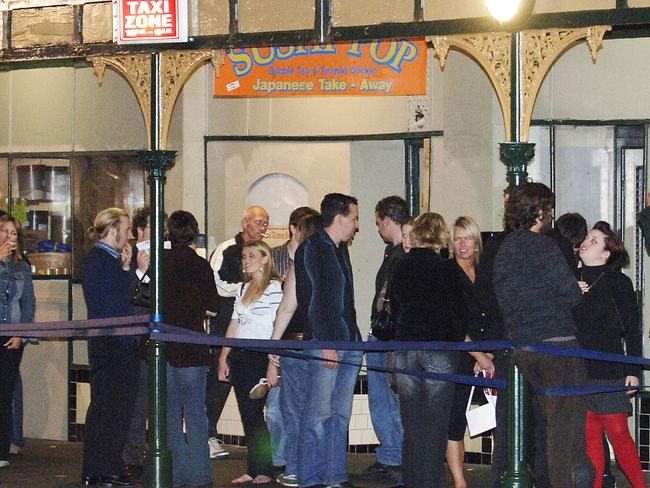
x: 390, y: 214
x: 325, y: 296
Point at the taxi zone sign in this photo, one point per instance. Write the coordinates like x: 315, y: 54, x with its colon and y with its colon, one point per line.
x: 148, y: 21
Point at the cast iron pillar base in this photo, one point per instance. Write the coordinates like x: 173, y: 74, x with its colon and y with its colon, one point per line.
x: 517, y: 475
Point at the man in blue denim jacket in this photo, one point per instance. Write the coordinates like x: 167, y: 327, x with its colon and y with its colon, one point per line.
x: 325, y: 294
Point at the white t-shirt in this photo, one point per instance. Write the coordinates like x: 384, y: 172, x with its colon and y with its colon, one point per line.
x: 256, y: 319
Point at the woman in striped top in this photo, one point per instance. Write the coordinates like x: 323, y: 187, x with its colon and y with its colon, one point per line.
x: 255, y: 306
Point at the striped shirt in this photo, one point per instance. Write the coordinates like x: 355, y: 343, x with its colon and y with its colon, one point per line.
x: 256, y: 319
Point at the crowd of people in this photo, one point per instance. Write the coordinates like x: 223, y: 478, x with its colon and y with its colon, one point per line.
x: 530, y: 284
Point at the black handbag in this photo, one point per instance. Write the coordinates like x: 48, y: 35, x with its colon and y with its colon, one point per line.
x: 141, y: 296
x: 383, y: 325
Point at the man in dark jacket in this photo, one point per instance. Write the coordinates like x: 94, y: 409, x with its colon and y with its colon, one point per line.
x: 106, y: 279
x: 325, y: 295
x: 390, y: 214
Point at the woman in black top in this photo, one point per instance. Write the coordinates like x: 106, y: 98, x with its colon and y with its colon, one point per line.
x: 427, y: 298
x: 607, y: 316
x: 465, y: 250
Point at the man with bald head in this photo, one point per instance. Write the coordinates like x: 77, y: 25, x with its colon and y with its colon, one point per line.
x: 227, y: 266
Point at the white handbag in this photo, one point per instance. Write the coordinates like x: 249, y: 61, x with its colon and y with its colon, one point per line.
x: 483, y: 418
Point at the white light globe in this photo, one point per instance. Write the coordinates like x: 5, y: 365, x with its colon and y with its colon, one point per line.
x: 503, y: 10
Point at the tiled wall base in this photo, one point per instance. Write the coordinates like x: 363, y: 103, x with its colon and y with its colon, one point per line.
x: 362, y: 437
x: 643, y: 430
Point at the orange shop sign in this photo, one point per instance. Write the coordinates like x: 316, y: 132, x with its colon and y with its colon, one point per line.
x: 149, y: 21
x: 396, y: 67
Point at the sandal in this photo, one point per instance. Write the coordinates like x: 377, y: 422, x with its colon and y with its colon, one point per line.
x: 261, y: 479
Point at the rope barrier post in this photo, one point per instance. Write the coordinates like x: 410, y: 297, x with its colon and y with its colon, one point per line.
x: 517, y: 475
x: 158, y: 459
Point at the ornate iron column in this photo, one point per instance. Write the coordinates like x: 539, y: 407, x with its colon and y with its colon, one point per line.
x: 158, y: 459
x: 516, y: 155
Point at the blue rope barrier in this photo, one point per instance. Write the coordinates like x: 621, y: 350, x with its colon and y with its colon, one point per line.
x: 134, y: 325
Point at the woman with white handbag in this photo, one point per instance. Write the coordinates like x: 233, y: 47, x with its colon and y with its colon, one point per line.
x: 465, y: 250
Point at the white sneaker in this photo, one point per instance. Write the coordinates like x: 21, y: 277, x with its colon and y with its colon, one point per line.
x: 216, y: 449
x: 289, y: 480
x: 4, y: 464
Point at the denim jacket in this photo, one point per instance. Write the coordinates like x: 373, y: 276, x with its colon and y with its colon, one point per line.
x: 17, y: 301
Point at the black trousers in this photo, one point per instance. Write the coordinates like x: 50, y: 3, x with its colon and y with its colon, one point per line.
x: 246, y: 369
x: 9, y: 366
x: 216, y: 392
x: 113, y: 378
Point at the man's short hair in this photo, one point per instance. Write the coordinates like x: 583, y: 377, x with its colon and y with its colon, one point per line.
x: 573, y: 227
x: 525, y: 204
x: 334, y: 204
x: 393, y: 207
x: 140, y: 218
x: 182, y: 228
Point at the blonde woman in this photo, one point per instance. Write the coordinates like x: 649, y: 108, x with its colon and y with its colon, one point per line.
x: 465, y: 250
x: 256, y: 304
x: 426, y: 291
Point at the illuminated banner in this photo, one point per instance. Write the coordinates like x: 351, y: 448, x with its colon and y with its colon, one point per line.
x: 358, y: 68
x: 149, y: 21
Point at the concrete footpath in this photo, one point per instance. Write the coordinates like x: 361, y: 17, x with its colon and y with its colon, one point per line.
x: 53, y: 464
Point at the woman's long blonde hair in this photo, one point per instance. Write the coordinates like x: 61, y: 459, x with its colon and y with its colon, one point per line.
x: 469, y: 225
x: 268, y: 270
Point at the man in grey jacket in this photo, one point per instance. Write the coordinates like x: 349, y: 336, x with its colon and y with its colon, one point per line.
x: 536, y: 291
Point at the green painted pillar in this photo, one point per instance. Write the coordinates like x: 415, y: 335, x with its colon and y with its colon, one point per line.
x: 516, y: 155
x: 517, y: 475
x: 412, y: 175
x: 158, y: 459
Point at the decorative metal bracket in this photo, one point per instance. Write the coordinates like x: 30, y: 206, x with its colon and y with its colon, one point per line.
x: 492, y: 53
x: 540, y: 48
x: 136, y: 70
x: 177, y: 67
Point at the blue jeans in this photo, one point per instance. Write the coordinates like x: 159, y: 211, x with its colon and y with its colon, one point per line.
x: 425, y: 406
x: 292, y: 403
x: 186, y: 400
x: 276, y: 426
x: 384, y: 410
x: 17, y: 438
x: 323, y: 437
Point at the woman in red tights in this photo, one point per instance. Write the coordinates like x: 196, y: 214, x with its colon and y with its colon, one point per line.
x: 607, y: 316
